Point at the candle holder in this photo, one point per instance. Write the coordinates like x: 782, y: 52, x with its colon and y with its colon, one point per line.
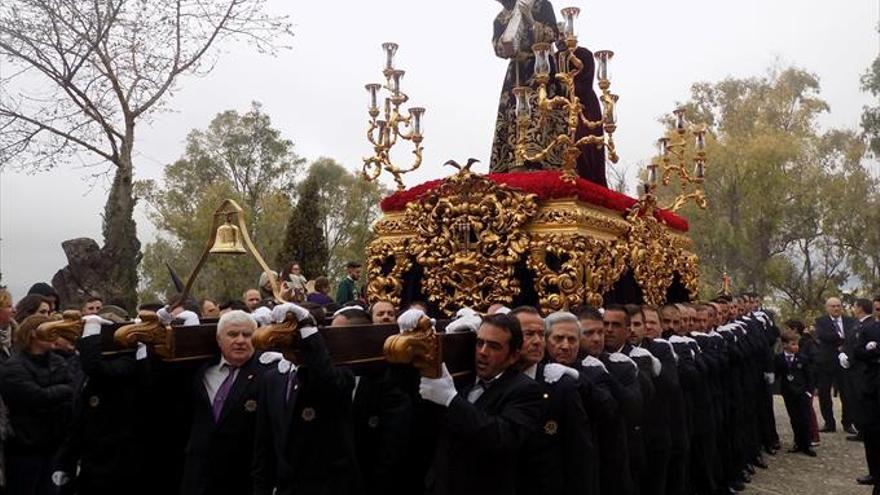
x: 383, y: 133
x: 568, y: 68
x: 673, y: 162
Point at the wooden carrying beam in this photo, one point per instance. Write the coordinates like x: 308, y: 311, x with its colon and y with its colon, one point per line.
x: 359, y: 347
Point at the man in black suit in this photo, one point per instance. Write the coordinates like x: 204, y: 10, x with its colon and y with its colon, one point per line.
x: 482, y: 429
x: 560, y: 455
x: 304, y: 440
x: 224, y: 413
x: 831, y: 332
x: 867, y: 352
x: 796, y: 386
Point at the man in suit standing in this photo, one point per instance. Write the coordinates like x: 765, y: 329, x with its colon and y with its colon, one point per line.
x: 224, y: 413
x: 796, y: 387
x: 831, y: 332
x: 482, y: 429
x: 853, y: 372
x: 304, y: 439
x: 867, y: 351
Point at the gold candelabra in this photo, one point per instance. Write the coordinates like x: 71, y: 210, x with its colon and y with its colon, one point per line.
x: 673, y: 161
x: 383, y: 133
x: 568, y: 68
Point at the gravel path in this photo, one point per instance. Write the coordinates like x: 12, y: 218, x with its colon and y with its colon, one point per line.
x: 833, y: 472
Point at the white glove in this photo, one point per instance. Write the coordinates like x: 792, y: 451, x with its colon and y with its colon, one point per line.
x: 189, y: 318
x: 141, y: 352
x: 656, y: 365
x: 844, y: 361
x: 769, y: 378
x: 92, y: 326
x: 870, y: 346
x: 263, y: 315
x: 410, y: 318
x: 503, y: 310
x: 280, y: 312
x: 554, y: 371
x: 438, y: 390
x: 60, y: 478
x: 164, y: 315
x: 465, y: 324
x: 591, y: 362
x: 270, y: 357
x: 461, y: 313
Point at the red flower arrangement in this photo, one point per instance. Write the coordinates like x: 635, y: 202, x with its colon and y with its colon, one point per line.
x: 546, y: 185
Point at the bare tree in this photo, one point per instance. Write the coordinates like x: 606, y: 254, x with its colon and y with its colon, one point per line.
x: 82, y: 74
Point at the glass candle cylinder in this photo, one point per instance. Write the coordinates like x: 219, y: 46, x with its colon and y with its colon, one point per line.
x: 390, y: 49
x: 542, y: 59
x: 416, y: 115
x: 396, y: 79
x: 373, y: 89
x: 679, y: 119
x: 652, y: 174
x: 699, y: 169
x: 570, y: 15
x: 602, y: 58
x: 700, y: 141
x: 663, y: 146
x: 610, y: 104
x: 523, y: 106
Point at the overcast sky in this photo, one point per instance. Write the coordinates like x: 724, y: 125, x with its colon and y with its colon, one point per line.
x: 314, y: 92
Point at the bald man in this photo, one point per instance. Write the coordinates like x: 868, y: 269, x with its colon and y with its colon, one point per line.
x: 832, y: 330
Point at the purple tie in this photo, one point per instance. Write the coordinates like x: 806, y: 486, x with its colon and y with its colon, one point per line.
x: 292, y: 386
x: 223, y: 392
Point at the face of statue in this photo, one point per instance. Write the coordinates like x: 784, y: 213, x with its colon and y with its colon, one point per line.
x: 493, y: 353
x: 593, y: 337
x: 616, y: 331
x: 563, y: 342
x: 383, y: 312
x: 235, y: 342
x: 652, y: 324
x: 533, y: 338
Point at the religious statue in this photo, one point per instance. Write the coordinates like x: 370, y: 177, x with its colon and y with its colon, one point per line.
x: 521, y: 24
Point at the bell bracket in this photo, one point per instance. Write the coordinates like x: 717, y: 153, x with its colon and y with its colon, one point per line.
x: 223, y: 216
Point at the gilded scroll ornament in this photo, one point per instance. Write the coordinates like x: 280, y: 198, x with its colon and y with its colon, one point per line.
x: 469, y: 236
x: 387, y: 262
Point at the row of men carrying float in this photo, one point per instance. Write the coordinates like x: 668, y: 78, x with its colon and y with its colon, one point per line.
x: 625, y: 400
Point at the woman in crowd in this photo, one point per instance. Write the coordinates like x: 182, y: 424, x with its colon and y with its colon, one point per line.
x: 37, y: 387
x: 32, y: 304
x: 7, y: 325
x: 320, y: 296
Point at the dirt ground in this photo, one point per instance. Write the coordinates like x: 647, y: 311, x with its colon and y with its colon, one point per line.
x: 833, y: 472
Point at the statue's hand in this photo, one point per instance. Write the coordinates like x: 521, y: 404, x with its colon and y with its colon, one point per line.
x: 525, y: 7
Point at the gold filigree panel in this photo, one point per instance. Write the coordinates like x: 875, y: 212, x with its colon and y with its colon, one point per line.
x: 385, y: 284
x: 469, y: 236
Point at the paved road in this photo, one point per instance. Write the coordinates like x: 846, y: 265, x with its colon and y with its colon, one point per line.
x: 833, y: 472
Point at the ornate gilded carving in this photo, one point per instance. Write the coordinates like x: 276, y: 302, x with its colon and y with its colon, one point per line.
x: 604, y: 264
x: 69, y: 327
x: 561, y: 287
x: 387, y: 262
x: 469, y: 236
x: 568, y: 214
x: 150, y: 331
x: 392, y: 224
x: 654, y: 255
x: 420, y: 347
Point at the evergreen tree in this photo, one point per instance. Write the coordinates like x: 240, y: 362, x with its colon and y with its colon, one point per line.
x: 304, y: 241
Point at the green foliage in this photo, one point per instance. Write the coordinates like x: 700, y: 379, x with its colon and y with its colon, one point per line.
x: 347, y: 208
x: 871, y: 115
x: 305, y: 242
x: 239, y: 157
x: 785, y: 199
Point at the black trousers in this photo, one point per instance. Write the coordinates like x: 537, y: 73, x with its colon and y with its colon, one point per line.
x: 799, y: 415
x: 654, y: 474
x: 828, y: 375
x: 677, y: 473
x: 29, y: 474
x: 872, y: 451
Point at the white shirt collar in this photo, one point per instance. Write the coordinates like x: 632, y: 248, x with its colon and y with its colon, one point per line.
x: 531, y: 371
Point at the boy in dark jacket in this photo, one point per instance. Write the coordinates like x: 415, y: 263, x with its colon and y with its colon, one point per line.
x: 793, y: 370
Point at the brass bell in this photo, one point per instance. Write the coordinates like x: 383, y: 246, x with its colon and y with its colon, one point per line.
x: 228, y: 240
